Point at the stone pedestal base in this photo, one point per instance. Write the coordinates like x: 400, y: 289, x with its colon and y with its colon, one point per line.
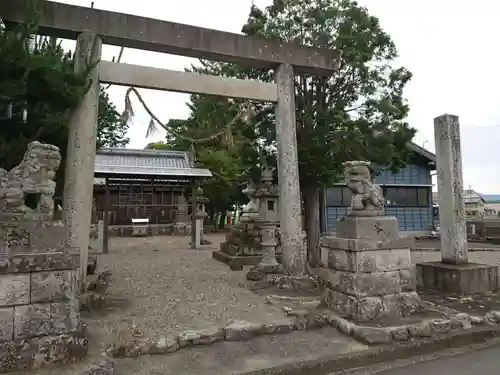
x: 370, y: 275
x: 36, y: 352
x: 365, y: 309
x: 463, y: 279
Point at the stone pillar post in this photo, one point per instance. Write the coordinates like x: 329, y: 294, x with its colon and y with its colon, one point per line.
x: 268, y: 245
x: 288, y: 173
x: 80, y: 157
x: 450, y: 188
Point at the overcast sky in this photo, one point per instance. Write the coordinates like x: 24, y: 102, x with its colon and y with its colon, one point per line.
x: 450, y: 46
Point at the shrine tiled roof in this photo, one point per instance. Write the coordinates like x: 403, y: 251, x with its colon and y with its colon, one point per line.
x: 124, y: 162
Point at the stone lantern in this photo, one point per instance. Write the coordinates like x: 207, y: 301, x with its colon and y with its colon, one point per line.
x: 200, y: 215
x: 267, y: 221
x: 267, y: 195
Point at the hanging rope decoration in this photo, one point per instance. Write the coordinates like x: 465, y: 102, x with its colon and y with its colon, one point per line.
x: 245, y: 114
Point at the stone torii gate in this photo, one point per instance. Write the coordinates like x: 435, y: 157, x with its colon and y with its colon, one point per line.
x: 92, y: 27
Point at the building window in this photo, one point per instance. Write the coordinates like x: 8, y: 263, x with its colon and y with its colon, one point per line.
x: 407, y: 196
x: 338, y: 196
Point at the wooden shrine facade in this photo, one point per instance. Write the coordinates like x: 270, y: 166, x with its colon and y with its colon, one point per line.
x: 139, y: 184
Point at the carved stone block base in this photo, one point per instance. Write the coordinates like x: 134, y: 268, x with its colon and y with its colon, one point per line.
x: 33, y: 353
x: 379, y: 228
x: 370, y: 274
x: 365, y: 309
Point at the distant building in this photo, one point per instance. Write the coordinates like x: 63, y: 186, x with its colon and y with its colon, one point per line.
x: 491, y: 209
x: 408, y: 194
x: 475, y: 204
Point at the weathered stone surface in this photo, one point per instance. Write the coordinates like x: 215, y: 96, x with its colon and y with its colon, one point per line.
x: 345, y: 326
x: 361, y: 244
x: 6, y: 324
x: 282, y: 326
x: 367, y: 308
x: 165, y: 345
x: 34, y: 175
x: 408, y: 279
x: 346, y: 260
x: 339, y: 302
x: 461, y: 320
x: 363, y: 309
x: 52, y: 286
x: 24, y: 263
x: 392, y: 260
x: 14, y: 290
x: 476, y: 320
x: 372, y: 335
x: 463, y: 279
x: 364, y: 284
x: 62, y: 349
x: 201, y: 337
x: 378, y: 228
x: 400, y: 333
x: 91, y: 301
x: 64, y: 316
x: 420, y: 330
x: 440, y: 326
x: 367, y: 199
x: 492, y: 317
x: 29, y: 233
x: 17, y: 355
x: 450, y: 186
x: 32, y: 320
x: 242, y: 330
x: 256, y: 274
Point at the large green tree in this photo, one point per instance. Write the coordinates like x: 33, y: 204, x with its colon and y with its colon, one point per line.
x: 38, y: 91
x: 357, y: 113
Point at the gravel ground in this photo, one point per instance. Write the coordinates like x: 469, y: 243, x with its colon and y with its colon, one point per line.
x: 167, y: 287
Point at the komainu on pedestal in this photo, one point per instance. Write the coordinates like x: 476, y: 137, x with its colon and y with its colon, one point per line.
x: 370, y: 275
x: 39, y: 311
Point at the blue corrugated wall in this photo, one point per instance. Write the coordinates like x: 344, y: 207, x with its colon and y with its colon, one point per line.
x: 410, y: 218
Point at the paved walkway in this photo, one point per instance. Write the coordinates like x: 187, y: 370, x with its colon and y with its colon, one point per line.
x: 486, y: 361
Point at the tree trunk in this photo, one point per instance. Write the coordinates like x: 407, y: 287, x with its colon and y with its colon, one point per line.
x: 222, y: 220
x: 311, y: 210
x: 322, y: 219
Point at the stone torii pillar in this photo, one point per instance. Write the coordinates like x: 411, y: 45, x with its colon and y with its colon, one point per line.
x: 454, y: 274
x: 290, y: 200
x: 80, y: 156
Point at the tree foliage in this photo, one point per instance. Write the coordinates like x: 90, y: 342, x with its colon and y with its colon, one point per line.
x: 37, y: 78
x: 357, y: 113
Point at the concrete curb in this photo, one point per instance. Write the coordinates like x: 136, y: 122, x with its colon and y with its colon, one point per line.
x: 380, y: 354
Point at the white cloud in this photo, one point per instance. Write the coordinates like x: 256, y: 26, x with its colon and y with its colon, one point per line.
x: 450, y: 46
